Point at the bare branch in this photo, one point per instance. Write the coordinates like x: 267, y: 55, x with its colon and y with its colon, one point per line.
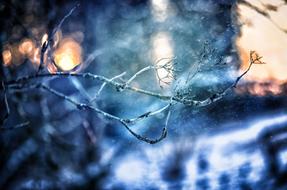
x: 167, y: 117
x: 47, y: 43
x: 24, y: 82
x: 254, y: 58
x: 63, y: 20
x: 168, y: 67
x: 150, y: 141
x: 149, y: 114
x: 138, y: 73
x: 82, y: 106
x: 184, y: 100
x: 164, y: 130
x: 104, y: 84
x: 117, y: 85
x: 197, y: 66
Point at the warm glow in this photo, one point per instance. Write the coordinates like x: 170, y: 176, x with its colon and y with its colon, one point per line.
x: 265, y: 38
x: 36, y: 56
x: 67, y: 52
x: 162, y: 48
x: 26, y: 47
x: 7, y: 57
x: 68, y: 55
x: 260, y: 89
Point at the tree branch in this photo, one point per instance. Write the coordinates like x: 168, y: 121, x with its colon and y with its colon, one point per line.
x: 186, y: 100
x: 104, y: 84
x: 47, y: 43
x: 82, y: 106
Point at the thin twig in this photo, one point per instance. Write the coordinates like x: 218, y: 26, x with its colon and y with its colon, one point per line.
x: 117, y: 85
x: 145, y: 139
x: 139, y: 73
x: 47, y: 43
x: 24, y: 82
x: 148, y: 114
x: 252, y: 60
x: 166, y: 66
x: 217, y: 96
x: 63, y: 19
x: 244, y: 73
x: 103, y: 86
x: 167, y: 117
x: 82, y: 106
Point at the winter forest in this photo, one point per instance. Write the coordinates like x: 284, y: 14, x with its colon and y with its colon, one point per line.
x: 143, y: 94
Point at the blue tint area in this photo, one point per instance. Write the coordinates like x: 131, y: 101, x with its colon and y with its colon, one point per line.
x: 236, y: 143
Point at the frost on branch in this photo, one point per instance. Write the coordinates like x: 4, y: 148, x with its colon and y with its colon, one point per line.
x: 172, y: 91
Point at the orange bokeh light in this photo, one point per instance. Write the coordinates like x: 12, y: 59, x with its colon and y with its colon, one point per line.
x: 68, y: 55
x: 26, y: 47
x: 268, y: 40
x: 7, y: 57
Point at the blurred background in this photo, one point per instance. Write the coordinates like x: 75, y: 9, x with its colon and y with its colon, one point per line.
x: 238, y: 142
